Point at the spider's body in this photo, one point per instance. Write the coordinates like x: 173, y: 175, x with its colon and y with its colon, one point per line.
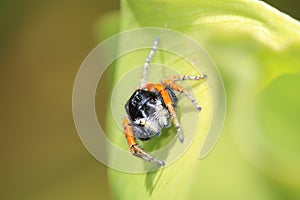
x: 148, y: 112
x: 151, y: 107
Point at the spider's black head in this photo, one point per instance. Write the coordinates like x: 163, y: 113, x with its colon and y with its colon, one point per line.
x: 138, y: 104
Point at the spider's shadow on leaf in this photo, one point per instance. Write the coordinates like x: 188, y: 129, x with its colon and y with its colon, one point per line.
x: 167, y: 137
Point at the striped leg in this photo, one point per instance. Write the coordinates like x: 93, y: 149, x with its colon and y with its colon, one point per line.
x: 170, y: 82
x: 147, y: 63
x: 134, y: 148
x: 185, y: 77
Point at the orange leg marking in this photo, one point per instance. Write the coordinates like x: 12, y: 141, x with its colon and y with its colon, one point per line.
x: 150, y: 87
x: 134, y: 148
x: 170, y: 106
x: 128, y: 133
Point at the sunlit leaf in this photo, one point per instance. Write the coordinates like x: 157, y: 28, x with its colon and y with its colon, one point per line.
x: 253, y: 45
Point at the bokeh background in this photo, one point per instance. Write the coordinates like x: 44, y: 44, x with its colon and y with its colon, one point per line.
x: 42, y: 44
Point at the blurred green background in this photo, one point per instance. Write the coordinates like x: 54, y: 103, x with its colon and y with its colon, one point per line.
x: 42, y: 46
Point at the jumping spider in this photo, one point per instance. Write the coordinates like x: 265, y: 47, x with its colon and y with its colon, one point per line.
x: 150, y: 108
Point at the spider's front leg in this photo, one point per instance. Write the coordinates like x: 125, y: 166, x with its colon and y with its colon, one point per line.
x: 134, y: 148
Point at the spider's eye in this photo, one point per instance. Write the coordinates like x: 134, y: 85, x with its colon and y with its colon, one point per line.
x: 138, y: 98
x: 133, y: 103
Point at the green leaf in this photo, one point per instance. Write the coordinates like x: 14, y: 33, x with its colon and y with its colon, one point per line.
x: 257, y: 50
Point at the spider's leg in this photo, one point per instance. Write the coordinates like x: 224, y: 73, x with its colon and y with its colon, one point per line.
x: 170, y: 106
x: 134, y: 148
x: 180, y: 89
x: 175, y: 121
x: 185, y: 77
x: 170, y: 82
x: 147, y: 63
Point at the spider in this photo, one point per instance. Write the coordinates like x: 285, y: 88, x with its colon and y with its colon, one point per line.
x: 151, y: 107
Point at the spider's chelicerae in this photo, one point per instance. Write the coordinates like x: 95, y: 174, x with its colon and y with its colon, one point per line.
x: 150, y: 108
